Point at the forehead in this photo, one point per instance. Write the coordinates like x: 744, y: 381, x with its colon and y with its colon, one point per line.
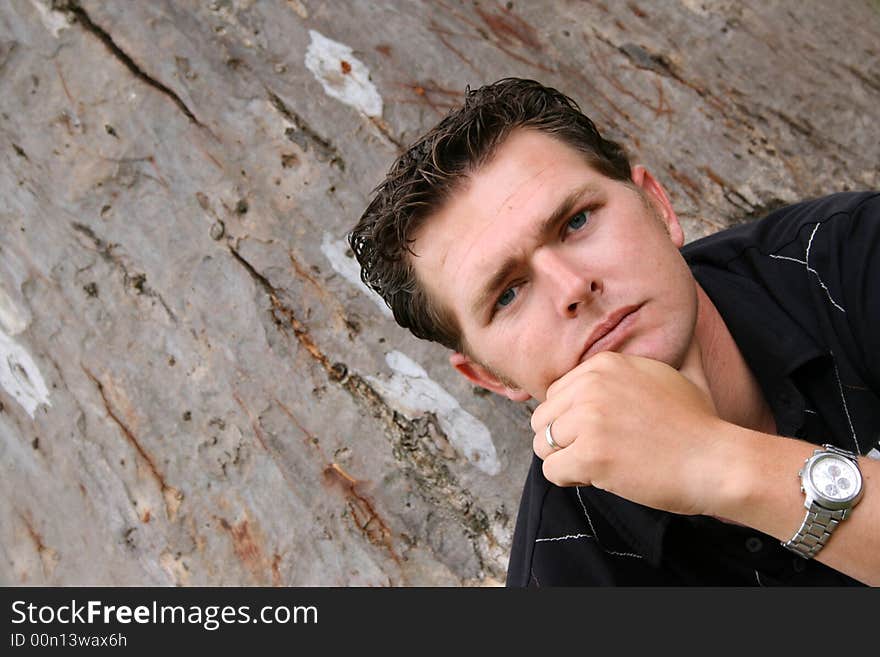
x: 494, y: 213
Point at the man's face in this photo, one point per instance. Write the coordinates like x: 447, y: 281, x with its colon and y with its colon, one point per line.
x: 539, y: 250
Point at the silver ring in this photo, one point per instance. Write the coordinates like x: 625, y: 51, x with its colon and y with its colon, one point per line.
x: 549, y: 437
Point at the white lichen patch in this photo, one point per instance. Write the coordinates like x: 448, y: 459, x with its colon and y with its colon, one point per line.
x: 335, y: 251
x: 342, y: 75
x: 411, y: 391
x: 52, y: 20
x: 20, y: 377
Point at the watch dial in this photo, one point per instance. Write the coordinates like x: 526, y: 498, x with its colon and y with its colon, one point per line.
x: 834, y: 477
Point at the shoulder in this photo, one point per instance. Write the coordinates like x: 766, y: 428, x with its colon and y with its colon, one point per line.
x: 792, y: 223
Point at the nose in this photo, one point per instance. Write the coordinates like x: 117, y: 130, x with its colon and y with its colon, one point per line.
x: 568, y: 284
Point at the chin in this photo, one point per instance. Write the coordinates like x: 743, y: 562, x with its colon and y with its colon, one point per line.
x: 670, y: 353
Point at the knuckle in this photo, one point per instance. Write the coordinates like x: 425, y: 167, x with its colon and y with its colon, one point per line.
x: 588, y: 412
x: 537, y: 420
x: 607, y: 358
x: 536, y: 445
x: 548, y: 472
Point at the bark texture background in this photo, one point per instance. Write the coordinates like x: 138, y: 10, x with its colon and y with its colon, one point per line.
x: 195, y: 389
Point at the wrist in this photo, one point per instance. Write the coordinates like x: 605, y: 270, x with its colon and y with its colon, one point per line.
x: 758, y: 484
x: 733, y: 480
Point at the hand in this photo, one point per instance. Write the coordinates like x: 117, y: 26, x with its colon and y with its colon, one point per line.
x: 635, y: 427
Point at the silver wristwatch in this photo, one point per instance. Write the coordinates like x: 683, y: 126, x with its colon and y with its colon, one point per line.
x: 832, y: 485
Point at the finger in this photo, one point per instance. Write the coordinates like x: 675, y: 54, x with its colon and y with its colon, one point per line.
x: 551, y: 410
x: 558, y: 469
x: 563, y: 431
x: 544, y: 414
x: 575, y: 388
x: 594, y: 364
x: 540, y: 446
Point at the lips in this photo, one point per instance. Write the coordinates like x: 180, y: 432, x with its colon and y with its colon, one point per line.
x: 606, y: 336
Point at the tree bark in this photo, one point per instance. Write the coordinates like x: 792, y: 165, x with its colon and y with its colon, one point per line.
x: 196, y: 389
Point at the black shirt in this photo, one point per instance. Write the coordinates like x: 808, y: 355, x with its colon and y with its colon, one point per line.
x: 800, y: 293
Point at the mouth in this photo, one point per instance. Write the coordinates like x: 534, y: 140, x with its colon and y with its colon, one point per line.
x: 610, y: 333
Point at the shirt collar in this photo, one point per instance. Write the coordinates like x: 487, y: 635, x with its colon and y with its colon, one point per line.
x: 772, y: 343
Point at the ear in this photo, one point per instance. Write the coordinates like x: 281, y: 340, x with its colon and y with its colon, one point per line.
x: 658, y: 198
x: 480, y: 376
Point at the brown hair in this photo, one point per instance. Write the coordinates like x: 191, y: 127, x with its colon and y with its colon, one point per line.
x: 436, y: 165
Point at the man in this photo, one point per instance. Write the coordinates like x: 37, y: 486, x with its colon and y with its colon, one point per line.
x: 680, y: 389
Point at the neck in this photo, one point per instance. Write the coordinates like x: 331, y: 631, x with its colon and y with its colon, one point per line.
x: 735, y: 390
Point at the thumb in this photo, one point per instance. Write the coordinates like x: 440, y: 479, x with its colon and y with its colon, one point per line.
x: 692, y: 369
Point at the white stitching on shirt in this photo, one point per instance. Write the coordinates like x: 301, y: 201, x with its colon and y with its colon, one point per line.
x: 845, y: 409
x: 803, y: 262
x: 810, y: 269
x: 596, y: 536
x: 840, y: 308
x: 806, y: 262
x: 564, y: 538
x: 593, y: 535
x: 807, y: 257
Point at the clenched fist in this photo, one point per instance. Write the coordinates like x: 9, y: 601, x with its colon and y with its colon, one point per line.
x: 635, y: 427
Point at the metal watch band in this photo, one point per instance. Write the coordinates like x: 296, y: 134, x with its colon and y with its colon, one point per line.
x: 817, y: 527
x: 819, y: 523
x: 852, y: 456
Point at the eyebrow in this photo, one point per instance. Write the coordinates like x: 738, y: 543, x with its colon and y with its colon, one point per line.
x: 510, y: 264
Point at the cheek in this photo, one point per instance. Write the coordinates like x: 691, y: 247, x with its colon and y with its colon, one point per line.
x: 660, y: 266
x: 673, y: 319
x: 524, y: 356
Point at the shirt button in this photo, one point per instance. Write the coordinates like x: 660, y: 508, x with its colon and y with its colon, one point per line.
x: 799, y: 565
x: 754, y: 544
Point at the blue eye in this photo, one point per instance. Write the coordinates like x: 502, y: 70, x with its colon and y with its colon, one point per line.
x: 507, y: 297
x: 578, y: 221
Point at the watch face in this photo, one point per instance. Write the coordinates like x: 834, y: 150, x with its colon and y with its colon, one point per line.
x: 835, y: 478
